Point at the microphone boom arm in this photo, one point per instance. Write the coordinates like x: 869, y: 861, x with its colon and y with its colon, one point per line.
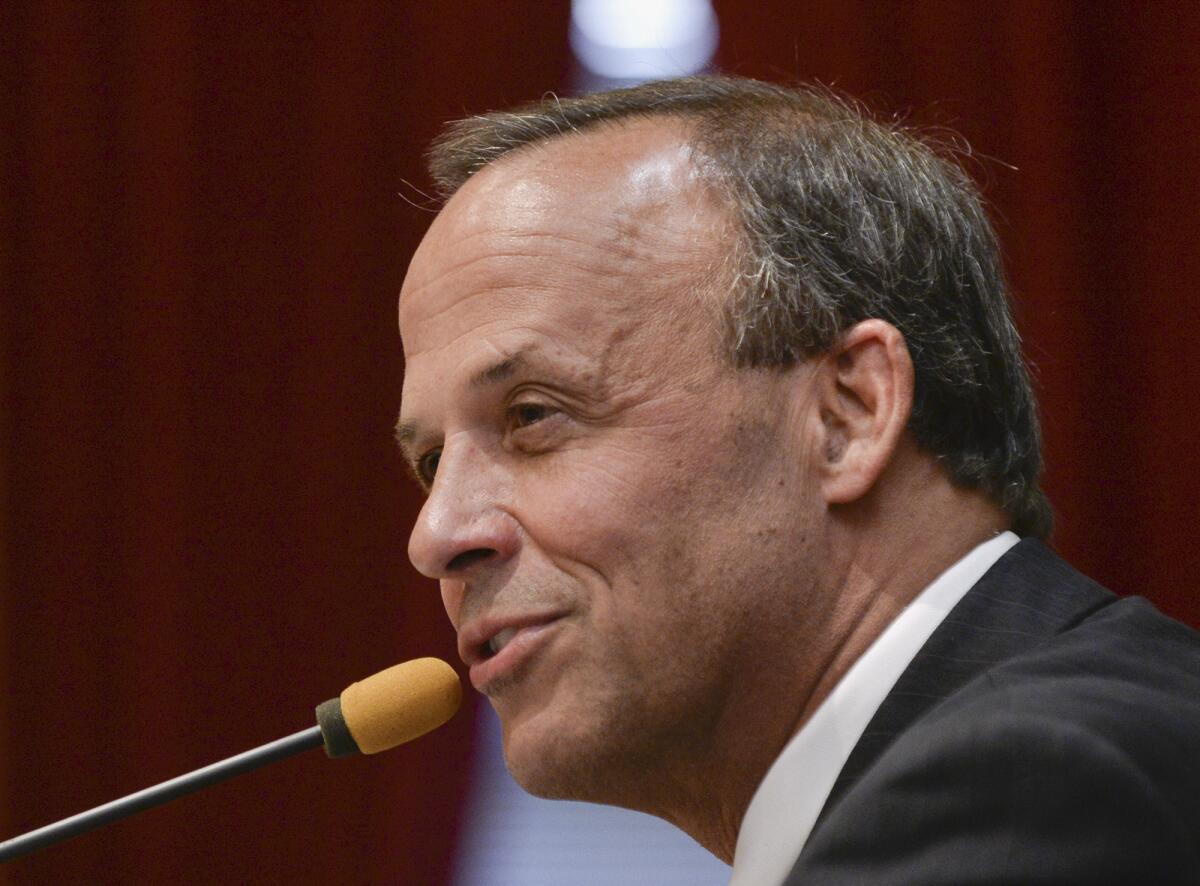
x: 161, y: 793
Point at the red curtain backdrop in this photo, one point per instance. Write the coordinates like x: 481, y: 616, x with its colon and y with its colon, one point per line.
x: 205, y: 217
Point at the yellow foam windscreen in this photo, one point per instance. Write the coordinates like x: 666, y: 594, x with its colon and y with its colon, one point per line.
x: 400, y: 703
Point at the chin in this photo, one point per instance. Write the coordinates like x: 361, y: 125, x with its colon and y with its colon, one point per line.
x: 550, y: 761
x: 567, y: 757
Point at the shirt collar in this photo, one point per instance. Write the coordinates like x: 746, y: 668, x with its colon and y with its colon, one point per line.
x: 783, y: 810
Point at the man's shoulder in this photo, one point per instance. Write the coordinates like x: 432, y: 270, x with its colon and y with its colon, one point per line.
x: 1073, y: 757
x: 1041, y: 639
x: 1111, y: 704
x: 1125, y: 663
x: 1125, y: 667
x: 1006, y: 787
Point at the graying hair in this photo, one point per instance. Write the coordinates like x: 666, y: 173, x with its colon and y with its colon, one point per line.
x: 843, y: 218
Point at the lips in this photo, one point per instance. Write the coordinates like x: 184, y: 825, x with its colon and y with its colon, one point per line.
x: 495, y: 646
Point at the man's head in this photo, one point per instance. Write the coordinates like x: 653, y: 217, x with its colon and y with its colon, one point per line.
x: 839, y: 218
x: 654, y: 452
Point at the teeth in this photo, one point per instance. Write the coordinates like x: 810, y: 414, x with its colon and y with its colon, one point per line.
x: 499, y: 641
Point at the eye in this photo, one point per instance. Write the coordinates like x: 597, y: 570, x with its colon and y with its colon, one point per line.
x: 521, y: 415
x: 427, y: 465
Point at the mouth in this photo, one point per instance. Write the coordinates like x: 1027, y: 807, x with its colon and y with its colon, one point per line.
x: 500, y: 640
x: 494, y: 647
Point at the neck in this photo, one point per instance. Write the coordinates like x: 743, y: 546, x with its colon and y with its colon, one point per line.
x: 881, y: 554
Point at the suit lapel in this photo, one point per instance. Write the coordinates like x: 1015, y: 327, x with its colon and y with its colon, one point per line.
x: 1030, y: 594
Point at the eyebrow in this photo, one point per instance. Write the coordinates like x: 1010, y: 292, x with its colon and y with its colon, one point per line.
x: 497, y: 372
x: 406, y: 431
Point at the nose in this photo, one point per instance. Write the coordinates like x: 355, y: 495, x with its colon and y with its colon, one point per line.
x: 463, y: 526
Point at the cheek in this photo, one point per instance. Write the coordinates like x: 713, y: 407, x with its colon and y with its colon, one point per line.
x: 658, y: 515
x: 605, y: 507
x: 663, y: 494
x: 642, y: 541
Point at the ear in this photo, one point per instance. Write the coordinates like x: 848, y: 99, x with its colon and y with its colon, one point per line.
x: 865, y: 392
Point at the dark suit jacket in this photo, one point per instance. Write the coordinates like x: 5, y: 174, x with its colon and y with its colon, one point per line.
x: 1047, y: 732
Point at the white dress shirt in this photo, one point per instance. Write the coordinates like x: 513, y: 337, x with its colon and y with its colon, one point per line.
x: 786, y: 805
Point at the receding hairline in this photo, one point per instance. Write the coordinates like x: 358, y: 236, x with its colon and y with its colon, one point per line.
x: 468, y: 145
x: 675, y: 128
x: 648, y: 163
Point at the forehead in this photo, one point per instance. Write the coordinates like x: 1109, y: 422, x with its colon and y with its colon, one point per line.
x: 571, y: 242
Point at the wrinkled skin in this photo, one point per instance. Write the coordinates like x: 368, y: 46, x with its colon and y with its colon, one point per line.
x: 624, y: 476
x: 687, y: 556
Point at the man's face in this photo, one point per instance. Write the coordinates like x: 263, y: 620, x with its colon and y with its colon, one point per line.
x: 615, y: 510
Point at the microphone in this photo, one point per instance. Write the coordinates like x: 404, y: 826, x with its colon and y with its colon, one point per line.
x: 380, y: 712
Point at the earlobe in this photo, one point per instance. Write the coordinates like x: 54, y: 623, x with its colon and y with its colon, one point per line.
x: 866, y: 393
